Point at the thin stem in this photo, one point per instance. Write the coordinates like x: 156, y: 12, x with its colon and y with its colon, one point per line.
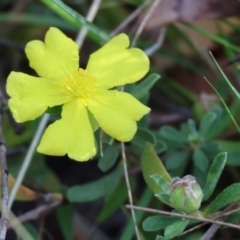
x: 151, y: 50
x: 182, y: 216
x: 4, y: 179
x: 213, y: 229
x: 28, y: 158
x: 155, y: 3
x: 90, y: 16
x: 129, y: 189
x: 129, y: 18
x: 35, y: 213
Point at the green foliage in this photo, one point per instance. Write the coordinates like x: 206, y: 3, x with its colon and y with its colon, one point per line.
x: 201, y: 146
x: 175, y: 229
x: 158, y: 222
x: 96, y: 189
x: 65, y: 219
x: 214, y: 174
x: 109, y: 158
x: 227, y: 196
x: 115, y: 200
x: 151, y: 164
x: 143, y: 88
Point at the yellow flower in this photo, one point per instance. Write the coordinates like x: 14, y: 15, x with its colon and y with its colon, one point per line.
x: 87, y: 102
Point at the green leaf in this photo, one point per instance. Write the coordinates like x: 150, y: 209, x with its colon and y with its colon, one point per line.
x: 214, y: 174
x: 160, y: 238
x: 214, y: 37
x: 176, y: 160
x: 161, y: 182
x: 31, y: 231
x: 227, y: 196
x: 175, y: 229
x: 158, y: 222
x: 164, y: 197
x: 36, y: 20
x: 144, y: 87
x: 225, y: 105
x: 76, y: 19
x: 173, y: 135
x: 115, y: 200
x: 193, y: 135
x: 109, y: 158
x: 96, y: 189
x: 65, y: 219
x: 206, y: 123
x: 200, y: 159
x: 160, y: 146
x: 151, y: 164
x: 192, y: 126
x: 142, y: 136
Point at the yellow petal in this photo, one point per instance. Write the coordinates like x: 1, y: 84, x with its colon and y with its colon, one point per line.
x: 72, y: 134
x: 55, y: 59
x: 115, y: 65
x: 31, y: 96
x: 116, y: 113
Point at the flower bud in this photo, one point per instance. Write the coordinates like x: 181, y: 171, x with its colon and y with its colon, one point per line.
x: 186, y: 194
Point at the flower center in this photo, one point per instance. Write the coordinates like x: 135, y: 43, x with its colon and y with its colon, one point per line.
x: 80, y: 84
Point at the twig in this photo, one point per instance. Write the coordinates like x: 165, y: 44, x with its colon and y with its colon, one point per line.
x: 28, y: 158
x: 155, y: 3
x: 34, y: 214
x: 90, y: 16
x: 183, y: 216
x: 151, y: 50
x: 129, y: 18
x: 224, y: 213
x: 129, y: 190
x: 213, y: 229
x: 4, y: 179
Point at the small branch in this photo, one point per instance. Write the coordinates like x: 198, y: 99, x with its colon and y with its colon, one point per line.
x: 224, y: 213
x: 4, y: 179
x: 151, y: 50
x: 155, y: 3
x: 183, y: 216
x: 129, y: 190
x: 213, y: 229
x: 35, y: 213
x: 130, y: 18
x: 28, y: 158
x: 90, y: 16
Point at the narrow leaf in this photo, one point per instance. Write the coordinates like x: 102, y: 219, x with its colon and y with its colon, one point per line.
x: 158, y: 222
x: 96, y: 189
x: 109, y: 158
x: 164, y: 197
x: 76, y: 19
x: 176, y: 160
x: 172, y: 134
x: 227, y: 196
x: 144, y: 87
x: 161, y: 182
x: 200, y: 159
x: 142, y: 136
x: 65, y: 219
x: 214, y: 174
x: 175, y: 229
x: 225, y: 105
x: 115, y: 200
x: 206, y: 123
x: 151, y: 164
